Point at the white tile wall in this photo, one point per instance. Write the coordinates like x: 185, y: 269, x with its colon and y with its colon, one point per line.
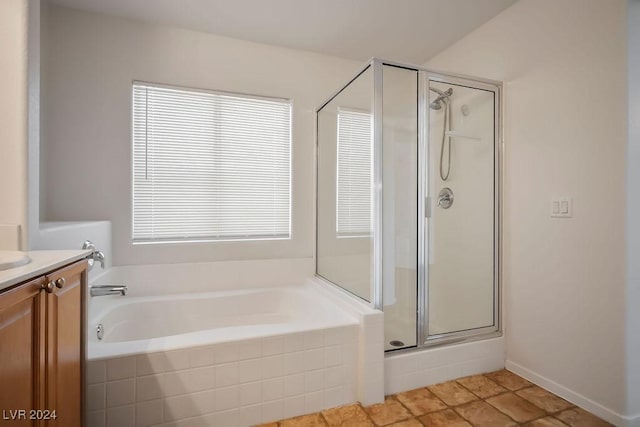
x: 370, y: 363
x: 120, y: 393
x: 233, y: 384
x: 96, y: 372
x: 412, y: 370
x: 120, y: 368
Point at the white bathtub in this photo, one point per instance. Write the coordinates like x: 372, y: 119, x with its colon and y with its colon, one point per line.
x: 225, y: 353
x: 142, y: 324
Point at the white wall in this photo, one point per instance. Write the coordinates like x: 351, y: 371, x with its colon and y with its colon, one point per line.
x: 91, y: 61
x: 13, y: 123
x: 563, y: 64
x: 633, y: 213
x: 36, y: 9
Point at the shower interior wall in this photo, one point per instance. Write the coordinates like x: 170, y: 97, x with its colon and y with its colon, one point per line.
x: 461, y: 238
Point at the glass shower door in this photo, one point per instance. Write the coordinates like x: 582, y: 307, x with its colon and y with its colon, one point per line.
x: 399, y: 206
x: 461, y: 226
x: 344, y: 239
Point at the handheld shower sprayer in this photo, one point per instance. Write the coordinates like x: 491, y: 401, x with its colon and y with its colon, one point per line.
x: 444, y: 98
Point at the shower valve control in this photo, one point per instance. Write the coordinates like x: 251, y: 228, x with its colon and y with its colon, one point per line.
x: 445, y: 198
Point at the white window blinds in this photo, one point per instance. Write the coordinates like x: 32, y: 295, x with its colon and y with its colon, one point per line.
x: 355, y: 173
x: 209, y: 166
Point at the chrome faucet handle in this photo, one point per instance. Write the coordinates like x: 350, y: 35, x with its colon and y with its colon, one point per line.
x: 95, y: 255
x: 99, y: 256
x: 445, y: 198
x: 88, y: 244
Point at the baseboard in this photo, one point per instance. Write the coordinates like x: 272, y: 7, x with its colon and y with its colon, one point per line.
x: 575, y: 398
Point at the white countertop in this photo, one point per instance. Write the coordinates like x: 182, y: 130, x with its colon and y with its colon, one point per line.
x: 41, y: 262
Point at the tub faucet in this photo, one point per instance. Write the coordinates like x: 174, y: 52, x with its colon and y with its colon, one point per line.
x: 94, y: 255
x: 99, y: 291
x: 98, y: 256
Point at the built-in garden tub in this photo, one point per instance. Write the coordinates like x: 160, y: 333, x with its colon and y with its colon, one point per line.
x: 227, y: 356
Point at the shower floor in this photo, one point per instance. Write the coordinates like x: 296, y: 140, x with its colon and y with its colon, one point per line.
x: 401, y: 330
x: 400, y: 317
x: 495, y: 399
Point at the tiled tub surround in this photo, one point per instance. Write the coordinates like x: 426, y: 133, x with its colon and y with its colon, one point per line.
x: 232, y: 384
x: 280, y: 351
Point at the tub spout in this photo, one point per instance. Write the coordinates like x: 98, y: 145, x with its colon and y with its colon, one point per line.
x: 98, y: 291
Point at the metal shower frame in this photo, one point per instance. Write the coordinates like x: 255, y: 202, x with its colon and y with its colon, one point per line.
x: 424, y: 76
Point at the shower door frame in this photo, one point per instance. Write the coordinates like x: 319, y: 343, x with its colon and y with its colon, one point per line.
x: 495, y: 87
x: 424, y: 76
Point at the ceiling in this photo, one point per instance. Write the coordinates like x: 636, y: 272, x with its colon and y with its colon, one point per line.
x: 403, y: 30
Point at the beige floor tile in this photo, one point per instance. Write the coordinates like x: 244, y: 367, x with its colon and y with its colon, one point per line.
x: 516, y: 407
x: 312, y: 420
x: 446, y: 418
x: 544, y: 399
x: 546, y: 422
x: 508, y: 380
x: 350, y: 415
x: 452, y: 393
x: 577, y: 417
x: 391, y: 411
x: 481, y: 414
x: 420, y: 401
x: 413, y: 422
x: 509, y: 401
x: 482, y: 386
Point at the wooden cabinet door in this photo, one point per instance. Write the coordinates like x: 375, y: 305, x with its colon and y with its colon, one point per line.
x: 22, y: 357
x: 64, y: 345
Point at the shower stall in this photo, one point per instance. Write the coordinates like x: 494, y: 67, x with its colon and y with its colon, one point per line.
x: 408, y: 201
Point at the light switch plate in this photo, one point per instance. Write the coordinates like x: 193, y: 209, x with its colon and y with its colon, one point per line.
x: 561, y: 207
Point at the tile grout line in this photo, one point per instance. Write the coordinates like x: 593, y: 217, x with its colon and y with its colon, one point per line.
x: 413, y: 417
x: 514, y: 393
x: 453, y: 407
x: 367, y: 414
x: 545, y: 412
x: 481, y: 399
x: 395, y: 398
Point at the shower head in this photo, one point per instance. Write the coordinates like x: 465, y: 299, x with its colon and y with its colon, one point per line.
x: 448, y: 92
x: 442, y: 97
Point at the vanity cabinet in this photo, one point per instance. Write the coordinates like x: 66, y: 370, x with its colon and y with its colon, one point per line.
x: 41, y: 349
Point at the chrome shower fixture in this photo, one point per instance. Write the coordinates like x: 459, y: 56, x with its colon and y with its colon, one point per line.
x: 442, y: 97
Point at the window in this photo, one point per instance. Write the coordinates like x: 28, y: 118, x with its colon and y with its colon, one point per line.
x: 209, y: 165
x: 355, y: 145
